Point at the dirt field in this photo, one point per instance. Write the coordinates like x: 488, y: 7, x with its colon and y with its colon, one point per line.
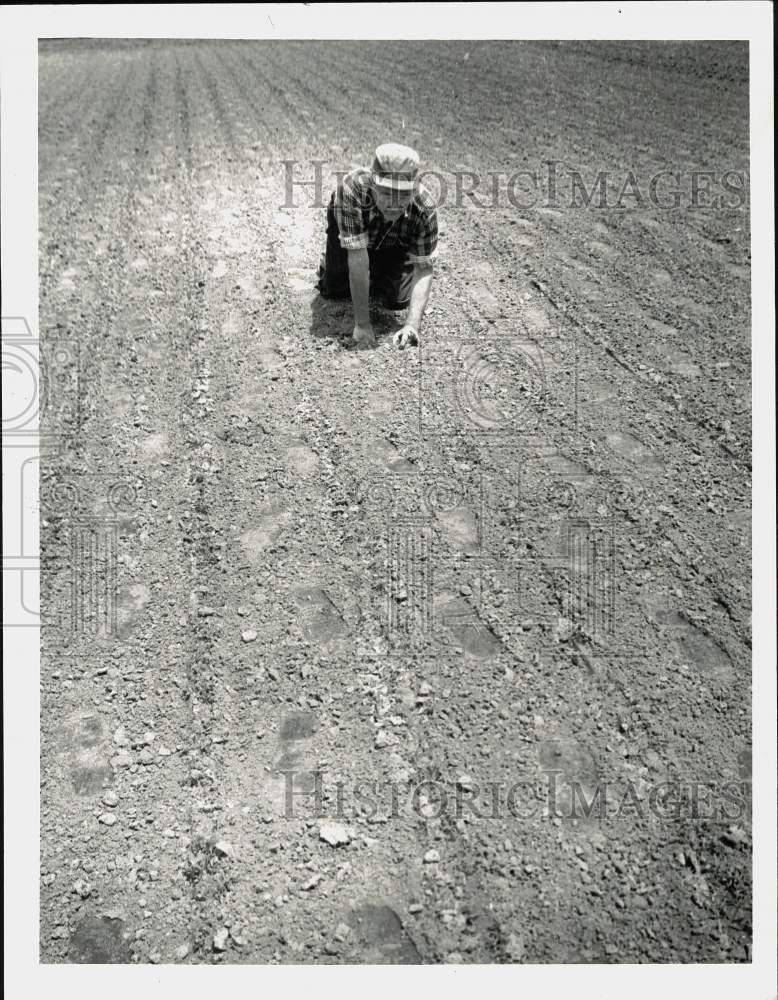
x: 437, y: 596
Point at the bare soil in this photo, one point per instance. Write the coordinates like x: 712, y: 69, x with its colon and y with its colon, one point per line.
x: 514, y: 557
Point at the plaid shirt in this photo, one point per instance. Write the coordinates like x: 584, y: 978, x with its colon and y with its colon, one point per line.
x: 361, y: 226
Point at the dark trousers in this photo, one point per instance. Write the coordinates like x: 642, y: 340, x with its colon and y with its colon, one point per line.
x: 391, y: 275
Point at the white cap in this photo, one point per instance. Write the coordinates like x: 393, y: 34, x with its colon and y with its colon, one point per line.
x: 395, y: 166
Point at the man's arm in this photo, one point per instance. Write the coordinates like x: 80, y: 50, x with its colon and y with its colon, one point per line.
x: 350, y: 200
x: 420, y: 293
x: 359, y: 280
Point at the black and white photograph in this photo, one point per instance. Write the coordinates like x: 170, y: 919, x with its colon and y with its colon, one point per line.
x: 385, y: 488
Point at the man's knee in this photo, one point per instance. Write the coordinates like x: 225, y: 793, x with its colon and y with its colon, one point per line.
x: 334, y: 286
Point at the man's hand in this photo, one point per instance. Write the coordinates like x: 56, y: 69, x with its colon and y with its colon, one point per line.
x: 363, y: 335
x: 406, y: 336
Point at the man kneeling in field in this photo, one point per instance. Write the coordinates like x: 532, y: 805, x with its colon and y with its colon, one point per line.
x: 382, y: 231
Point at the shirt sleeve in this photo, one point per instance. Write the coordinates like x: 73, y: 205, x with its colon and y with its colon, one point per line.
x: 348, y: 215
x: 424, y: 247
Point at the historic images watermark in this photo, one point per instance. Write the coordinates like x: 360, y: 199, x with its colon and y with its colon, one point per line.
x: 409, y: 576
x: 537, y: 543
x: 548, y: 796
x: 40, y: 398
x: 495, y: 385
x: 550, y: 184
x: 566, y: 560
x: 437, y: 532
x: 41, y: 412
x: 92, y: 512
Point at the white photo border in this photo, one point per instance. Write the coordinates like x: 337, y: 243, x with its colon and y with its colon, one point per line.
x: 20, y: 28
